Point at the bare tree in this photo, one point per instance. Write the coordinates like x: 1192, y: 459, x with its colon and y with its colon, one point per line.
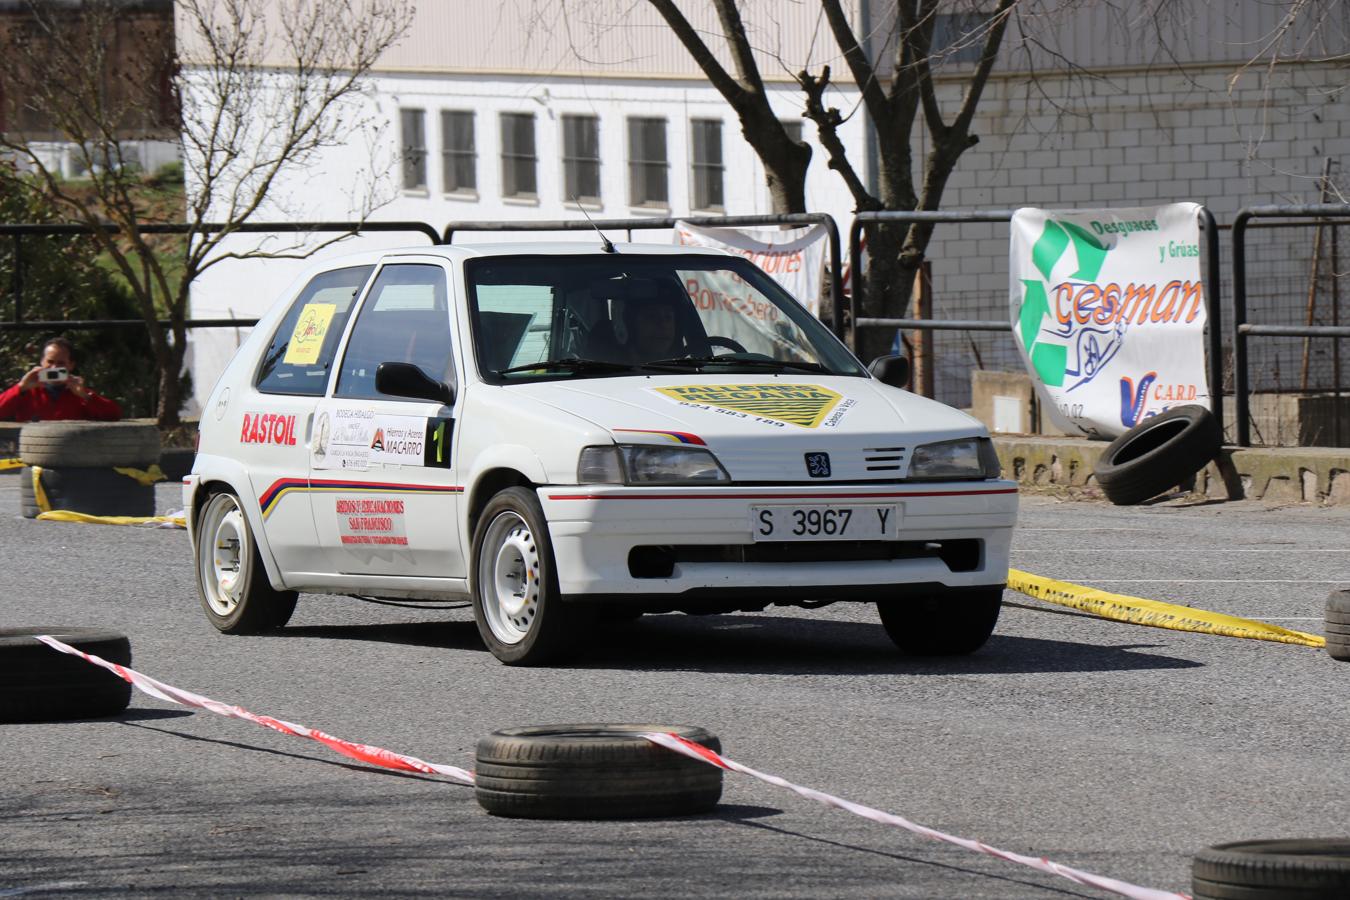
x: 892, y: 68
x: 257, y: 89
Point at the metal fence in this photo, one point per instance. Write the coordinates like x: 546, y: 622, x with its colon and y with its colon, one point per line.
x: 1292, y: 284
x: 1289, y: 282
x: 17, y: 232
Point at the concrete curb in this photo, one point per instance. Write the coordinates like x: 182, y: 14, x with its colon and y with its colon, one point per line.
x: 1317, y: 475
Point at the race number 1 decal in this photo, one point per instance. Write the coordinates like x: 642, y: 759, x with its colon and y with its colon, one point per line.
x: 439, y: 431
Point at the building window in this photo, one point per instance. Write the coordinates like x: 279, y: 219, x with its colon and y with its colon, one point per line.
x: 959, y: 37
x: 414, y: 135
x: 518, y: 159
x: 647, y: 163
x: 581, y: 158
x: 707, y: 163
x: 458, y: 157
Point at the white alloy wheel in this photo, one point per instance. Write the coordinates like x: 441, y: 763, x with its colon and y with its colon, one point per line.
x: 508, y: 570
x: 224, y: 554
x: 235, y: 591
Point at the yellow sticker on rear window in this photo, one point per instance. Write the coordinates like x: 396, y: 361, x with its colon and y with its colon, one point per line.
x: 310, y: 330
x: 797, y: 404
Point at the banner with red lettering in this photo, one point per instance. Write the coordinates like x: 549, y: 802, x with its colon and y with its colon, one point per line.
x: 1108, y: 312
x: 795, y: 257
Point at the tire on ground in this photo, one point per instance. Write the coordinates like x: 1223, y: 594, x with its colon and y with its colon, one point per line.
x: 96, y: 492
x: 1157, y: 454
x: 40, y: 684
x: 1306, y: 868
x: 89, y: 444
x: 1337, y: 625
x: 952, y: 623
x: 593, y: 772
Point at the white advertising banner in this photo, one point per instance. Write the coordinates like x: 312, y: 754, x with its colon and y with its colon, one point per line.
x: 795, y: 257
x: 1108, y: 312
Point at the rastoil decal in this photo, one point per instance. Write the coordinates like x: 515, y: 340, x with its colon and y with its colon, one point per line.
x: 268, y: 428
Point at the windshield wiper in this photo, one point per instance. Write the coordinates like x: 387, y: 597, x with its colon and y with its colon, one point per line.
x: 569, y: 364
x: 698, y: 362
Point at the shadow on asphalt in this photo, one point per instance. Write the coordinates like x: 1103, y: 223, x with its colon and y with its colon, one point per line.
x: 240, y: 745
x: 753, y: 644
x: 900, y: 857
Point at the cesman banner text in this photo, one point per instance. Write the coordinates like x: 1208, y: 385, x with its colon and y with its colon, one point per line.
x: 1108, y: 309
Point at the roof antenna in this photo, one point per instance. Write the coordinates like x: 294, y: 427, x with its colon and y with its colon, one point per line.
x: 605, y: 244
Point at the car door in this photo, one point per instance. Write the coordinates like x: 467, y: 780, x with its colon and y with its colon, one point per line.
x: 382, y: 468
x: 275, y: 423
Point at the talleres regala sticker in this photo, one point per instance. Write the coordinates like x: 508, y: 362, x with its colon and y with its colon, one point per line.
x: 778, y: 405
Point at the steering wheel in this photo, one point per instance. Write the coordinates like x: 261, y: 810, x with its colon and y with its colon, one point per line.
x: 715, y: 340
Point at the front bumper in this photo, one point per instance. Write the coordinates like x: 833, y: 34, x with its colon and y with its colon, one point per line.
x: 595, y: 528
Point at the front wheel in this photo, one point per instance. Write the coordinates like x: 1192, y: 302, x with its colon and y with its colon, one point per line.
x: 951, y: 624
x: 516, y: 602
x: 231, y: 580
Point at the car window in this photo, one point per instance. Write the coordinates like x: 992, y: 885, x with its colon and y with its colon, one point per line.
x: 517, y: 323
x: 405, y: 318
x: 301, y: 353
x: 588, y: 316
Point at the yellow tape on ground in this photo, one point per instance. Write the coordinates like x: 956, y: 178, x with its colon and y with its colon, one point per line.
x: 65, y: 515
x: 146, y: 477
x: 11, y: 463
x: 1155, y: 613
x: 39, y: 495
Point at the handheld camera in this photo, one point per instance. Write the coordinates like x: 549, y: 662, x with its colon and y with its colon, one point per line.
x: 54, y: 376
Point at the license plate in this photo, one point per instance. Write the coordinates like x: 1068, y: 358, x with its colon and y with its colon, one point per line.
x: 824, y: 523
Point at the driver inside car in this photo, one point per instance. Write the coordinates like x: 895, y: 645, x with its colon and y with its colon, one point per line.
x: 650, y: 324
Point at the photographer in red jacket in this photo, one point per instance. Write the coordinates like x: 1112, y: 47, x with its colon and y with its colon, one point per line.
x: 49, y: 391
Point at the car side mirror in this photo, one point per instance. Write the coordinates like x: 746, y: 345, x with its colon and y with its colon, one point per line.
x: 892, y: 370
x: 400, y: 379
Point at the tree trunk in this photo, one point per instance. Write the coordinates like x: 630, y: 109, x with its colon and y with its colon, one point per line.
x: 785, y: 164
x: 170, y: 387
x: 890, y: 284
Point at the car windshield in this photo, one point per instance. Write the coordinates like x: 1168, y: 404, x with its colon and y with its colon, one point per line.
x: 606, y: 315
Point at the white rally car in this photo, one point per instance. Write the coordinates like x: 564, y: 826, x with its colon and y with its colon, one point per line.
x: 561, y: 431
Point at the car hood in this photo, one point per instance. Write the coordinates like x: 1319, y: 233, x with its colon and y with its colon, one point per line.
x: 761, y: 427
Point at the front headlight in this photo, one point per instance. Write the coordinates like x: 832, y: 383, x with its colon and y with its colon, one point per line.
x: 964, y: 458
x: 648, y: 464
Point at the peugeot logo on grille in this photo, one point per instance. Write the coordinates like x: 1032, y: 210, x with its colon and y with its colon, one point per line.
x: 818, y: 465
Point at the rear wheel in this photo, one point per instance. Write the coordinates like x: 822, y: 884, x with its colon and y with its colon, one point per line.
x: 231, y: 580
x: 942, y: 625
x: 516, y: 602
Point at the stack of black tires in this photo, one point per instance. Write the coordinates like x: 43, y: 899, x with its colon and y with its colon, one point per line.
x: 72, y: 466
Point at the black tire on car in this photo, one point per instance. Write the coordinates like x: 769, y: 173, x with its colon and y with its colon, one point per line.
x: 39, y: 684
x: 516, y: 602
x: 231, y: 579
x: 1337, y: 625
x: 1303, y: 868
x: 1157, y: 454
x: 948, y: 624
x: 593, y: 772
x: 95, y: 492
x: 80, y: 444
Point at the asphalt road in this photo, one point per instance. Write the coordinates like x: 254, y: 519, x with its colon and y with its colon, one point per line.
x: 1113, y: 748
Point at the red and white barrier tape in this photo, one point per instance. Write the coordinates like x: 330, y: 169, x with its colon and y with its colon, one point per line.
x: 1123, y: 888
x: 390, y: 760
x: 362, y: 752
